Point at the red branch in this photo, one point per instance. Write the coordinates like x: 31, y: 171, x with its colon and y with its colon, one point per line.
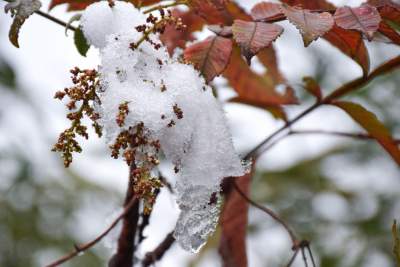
x: 126, y: 241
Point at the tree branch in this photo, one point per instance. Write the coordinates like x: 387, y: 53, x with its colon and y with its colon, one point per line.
x: 268, y: 211
x: 56, y: 20
x: 126, y: 241
x: 180, y: 2
x: 339, y: 92
x: 84, y: 247
x: 155, y: 255
x: 362, y: 136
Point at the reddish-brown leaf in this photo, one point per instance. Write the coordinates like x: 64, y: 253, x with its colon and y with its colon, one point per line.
x: 310, y: 4
x: 213, y: 11
x: 236, y: 11
x: 365, y: 19
x: 311, y: 25
x: 74, y: 5
x: 383, y: 3
x: 254, y: 36
x: 265, y: 11
x: 210, y: 56
x: 225, y: 31
x: 373, y: 126
x: 312, y: 87
x: 390, y: 13
x: 268, y: 58
x: 232, y: 247
x: 350, y: 43
x: 390, y: 33
x: 173, y: 38
x: 254, y: 89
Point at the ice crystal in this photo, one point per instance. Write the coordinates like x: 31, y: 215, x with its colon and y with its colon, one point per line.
x: 175, y: 105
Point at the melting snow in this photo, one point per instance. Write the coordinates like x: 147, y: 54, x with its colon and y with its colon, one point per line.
x: 161, y: 90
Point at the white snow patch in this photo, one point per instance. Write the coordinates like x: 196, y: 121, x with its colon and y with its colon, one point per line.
x: 199, y: 143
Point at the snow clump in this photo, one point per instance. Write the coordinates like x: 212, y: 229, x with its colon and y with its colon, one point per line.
x: 175, y: 105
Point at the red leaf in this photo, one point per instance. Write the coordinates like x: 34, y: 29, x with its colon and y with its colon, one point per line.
x: 268, y: 58
x: 265, y: 11
x: 173, y: 38
x: 390, y: 33
x: 390, y: 13
x: 254, y: 89
x: 383, y: 3
x: 210, y: 56
x: 373, y: 126
x: 311, y: 25
x: 74, y: 5
x: 225, y: 31
x: 310, y: 4
x: 213, y: 11
x: 350, y: 43
x: 254, y: 36
x: 312, y: 87
x: 365, y: 19
x: 233, y: 222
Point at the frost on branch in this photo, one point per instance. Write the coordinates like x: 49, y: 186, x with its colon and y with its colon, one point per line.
x: 20, y: 10
x: 142, y: 85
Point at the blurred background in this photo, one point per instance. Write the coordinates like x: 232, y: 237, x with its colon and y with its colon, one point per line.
x: 341, y: 194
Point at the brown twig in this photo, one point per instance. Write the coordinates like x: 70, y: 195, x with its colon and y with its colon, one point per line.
x: 126, y: 241
x: 296, y: 244
x: 362, y: 136
x: 84, y: 247
x: 301, y: 246
x: 269, y: 212
x: 56, y: 20
x: 155, y: 255
x: 292, y: 258
x: 181, y: 2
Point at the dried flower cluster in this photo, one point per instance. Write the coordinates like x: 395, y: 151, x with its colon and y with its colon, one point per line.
x: 83, y: 92
x: 156, y: 25
x: 148, y: 104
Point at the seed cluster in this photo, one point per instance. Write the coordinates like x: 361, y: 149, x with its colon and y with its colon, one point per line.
x: 83, y: 92
x: 123, y: 112
x: 156, y: 25
x: 140, y: 152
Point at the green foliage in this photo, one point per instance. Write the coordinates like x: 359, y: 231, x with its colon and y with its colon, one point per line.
x: 7, y: 75
x: 80, y: 42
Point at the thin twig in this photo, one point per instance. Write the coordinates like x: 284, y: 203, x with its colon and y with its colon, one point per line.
x: 182, y: 2
x: 56, y: 20
x: 292, y: 258
x: 304, y: 257
x: 84, y: 247
x: 126, y: 240
x: 268, y: 211
x: 311, y: 256
x: 362, y: 136
x: 155, y: 255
